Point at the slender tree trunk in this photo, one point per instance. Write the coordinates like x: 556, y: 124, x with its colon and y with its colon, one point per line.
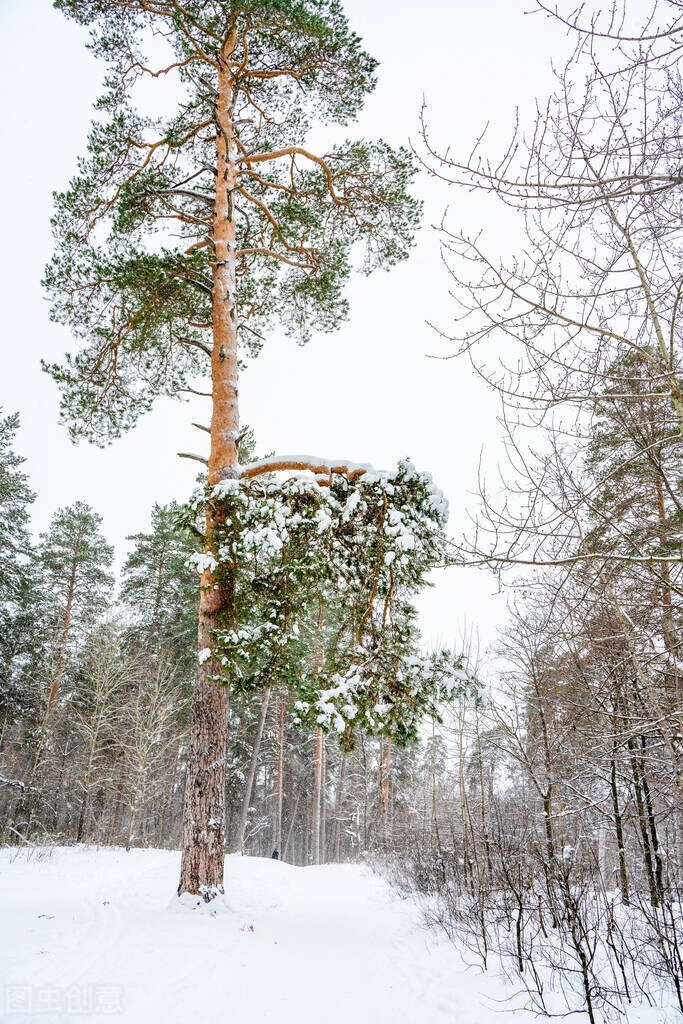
x: 317, y: 795
x: 251, y: 774
x: 338, y: 803
x: 652, y: 824
x: 84, y: 803
x: 323, y: 801
x: 280, y: 776
x: 642, y: 821
x: 203, y: 842
x: 384, y: 782
x: 482, y: 799
x: 464, y: 807
x: 618, y: 826
x: 117, y: 815
x: 168, y: 793
x: 292, y: 822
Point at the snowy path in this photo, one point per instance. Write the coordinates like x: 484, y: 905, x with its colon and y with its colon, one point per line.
x: 88, y: 934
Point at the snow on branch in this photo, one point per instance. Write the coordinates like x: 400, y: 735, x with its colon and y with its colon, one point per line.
x: 4, y: 781
x: 300, y: 463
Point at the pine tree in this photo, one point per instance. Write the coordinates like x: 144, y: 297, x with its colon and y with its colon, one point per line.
x: 268, y: 230
x: 159, y: 590
x: 72, y: 587
x: 18, y: 606
x: 75, y: 565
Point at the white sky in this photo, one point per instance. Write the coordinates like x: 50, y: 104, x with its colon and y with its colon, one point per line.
x: 369, y: 392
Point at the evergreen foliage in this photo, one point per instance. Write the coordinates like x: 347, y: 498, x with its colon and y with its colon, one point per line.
x: 76, y: 582
x: 131, y: 272
x: 19, y: 603
x: 158, y: 589
x: 324, y: 579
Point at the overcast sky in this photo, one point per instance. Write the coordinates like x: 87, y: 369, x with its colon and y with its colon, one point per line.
x: 370, y: 392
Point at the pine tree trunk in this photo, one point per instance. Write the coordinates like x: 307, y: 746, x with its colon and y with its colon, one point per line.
x: 384, y: 783
x: 280, y: 776
x: 317, y: 794
x: 338, y: 803
x: 292, y: 823
x: 251, y: 775
x: 323, y: 802
x: 203, y: 842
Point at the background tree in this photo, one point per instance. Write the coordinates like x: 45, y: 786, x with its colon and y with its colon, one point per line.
x: 74, y: 588
x: 159, y: 590
x: 75, y: 566
x: 19, y: 645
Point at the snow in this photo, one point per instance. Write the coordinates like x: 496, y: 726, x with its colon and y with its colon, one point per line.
x: 201, y: 562
x: 313, y: 462
x: 97, y: 933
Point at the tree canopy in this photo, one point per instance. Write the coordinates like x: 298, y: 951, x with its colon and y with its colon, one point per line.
x: 135, y: 231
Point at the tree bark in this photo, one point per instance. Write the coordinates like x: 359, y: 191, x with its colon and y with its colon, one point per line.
x: 203, y: 841
x: 618, y: 826
x: 251, y: 774
x: 280, y: 776
x: 642, y: 821
x: 384, y: 782
x: 338, y: 804
x: 292, y: 822
x: 323, y: 801
x: 317, y: 797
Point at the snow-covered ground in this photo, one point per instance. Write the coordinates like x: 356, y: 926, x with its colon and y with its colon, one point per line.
x: 89, y: 934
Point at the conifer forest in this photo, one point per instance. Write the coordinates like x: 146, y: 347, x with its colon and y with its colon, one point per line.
x: 394, y: 735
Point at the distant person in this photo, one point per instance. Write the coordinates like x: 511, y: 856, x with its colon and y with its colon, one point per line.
x: 275, y: 855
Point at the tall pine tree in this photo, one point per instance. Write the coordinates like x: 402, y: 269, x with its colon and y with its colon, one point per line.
x: 183, y: 239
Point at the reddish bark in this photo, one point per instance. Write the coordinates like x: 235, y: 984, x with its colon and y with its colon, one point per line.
x: 203, y: 841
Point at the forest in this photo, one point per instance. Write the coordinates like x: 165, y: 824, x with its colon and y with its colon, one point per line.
x: 250, y: 676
